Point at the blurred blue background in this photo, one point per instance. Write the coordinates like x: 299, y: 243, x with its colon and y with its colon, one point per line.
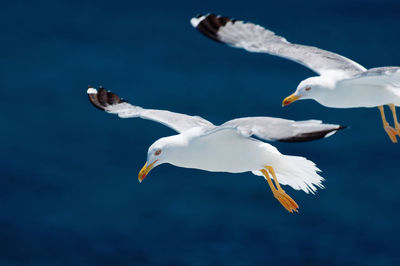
x: 69, y: 192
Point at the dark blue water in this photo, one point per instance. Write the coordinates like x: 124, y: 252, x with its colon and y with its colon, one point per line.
x: 69, y: 192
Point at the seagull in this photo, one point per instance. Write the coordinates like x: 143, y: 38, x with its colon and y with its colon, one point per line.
x: 229, y: 147
x: 341, y: 82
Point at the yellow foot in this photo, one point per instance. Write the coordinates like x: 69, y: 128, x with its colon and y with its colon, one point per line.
x: 392, y: 133
x: 287, y: 202
x: 398, y: 128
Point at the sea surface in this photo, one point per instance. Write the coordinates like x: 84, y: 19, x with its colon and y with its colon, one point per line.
x: 69, y: 193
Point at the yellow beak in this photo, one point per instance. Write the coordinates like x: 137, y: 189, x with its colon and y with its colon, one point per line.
x: 291, y: 98
x: 145, y: 170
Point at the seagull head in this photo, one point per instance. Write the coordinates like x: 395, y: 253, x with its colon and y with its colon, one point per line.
x: 160, y: 152
x: 308, y: 89
x: 156, y: 155
x: 174, y: 150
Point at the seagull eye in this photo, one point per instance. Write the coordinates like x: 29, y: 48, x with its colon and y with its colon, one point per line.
x: 157, y: 152
x: 308, y: 88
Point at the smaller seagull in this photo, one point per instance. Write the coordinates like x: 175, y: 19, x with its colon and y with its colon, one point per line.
x: 228, y: 147
x: 342, y: 83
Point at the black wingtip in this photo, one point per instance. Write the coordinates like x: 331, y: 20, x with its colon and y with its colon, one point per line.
x: 313, y: 135
x: 342, y: 127
x: 102, y: 98
x: 210, y: 25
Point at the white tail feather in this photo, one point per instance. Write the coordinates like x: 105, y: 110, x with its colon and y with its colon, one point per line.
x: 297, y: 172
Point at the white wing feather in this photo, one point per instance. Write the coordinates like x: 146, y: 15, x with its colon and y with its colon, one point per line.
x: 270, y: 128
x: 255, y: 38
x: 111, y: 103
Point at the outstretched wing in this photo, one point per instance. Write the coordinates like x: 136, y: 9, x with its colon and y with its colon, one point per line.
x: 255, y: 38
x: 112, y: 103
x: 270, y: 128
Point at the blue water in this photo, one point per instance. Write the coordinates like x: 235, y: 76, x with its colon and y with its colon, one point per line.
x: 69, y: 193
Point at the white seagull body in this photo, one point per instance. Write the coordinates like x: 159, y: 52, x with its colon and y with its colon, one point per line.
x: 342, y: 83
x: 229, y: 147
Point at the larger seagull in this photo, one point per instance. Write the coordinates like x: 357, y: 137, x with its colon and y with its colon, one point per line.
x: 342, y: 83
x: 228, y: 147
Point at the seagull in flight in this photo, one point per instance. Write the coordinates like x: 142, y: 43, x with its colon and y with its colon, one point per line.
x: 229, y: 147
x: 341, y: 82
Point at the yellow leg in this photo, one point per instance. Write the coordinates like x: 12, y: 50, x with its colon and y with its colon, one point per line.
x: 389, y: 130
x: 396, y: 123
x: 287, y: 202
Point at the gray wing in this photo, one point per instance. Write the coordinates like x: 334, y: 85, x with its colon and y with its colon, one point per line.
x: 255, y: 38
x: 112, y: 103
x: 383, y: 77
x: 379, y: 71
x: 270, y: 128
